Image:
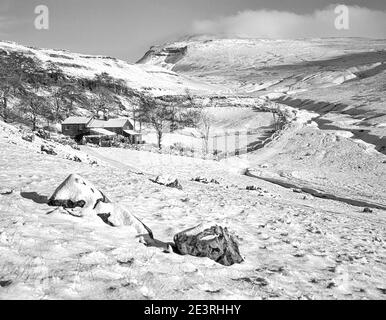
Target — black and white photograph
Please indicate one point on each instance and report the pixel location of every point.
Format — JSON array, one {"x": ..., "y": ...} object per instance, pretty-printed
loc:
[{"x": 188, "y": 150}]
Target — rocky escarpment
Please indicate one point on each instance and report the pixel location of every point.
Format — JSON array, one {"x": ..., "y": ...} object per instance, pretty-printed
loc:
[{"x": 165, "y": 57}]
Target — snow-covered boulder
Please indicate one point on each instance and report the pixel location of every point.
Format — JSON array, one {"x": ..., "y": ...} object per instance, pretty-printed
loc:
[
  {"x": 215, "y": 243},
  {"x": 76, "y": 192},
  {"x": 115, "y": 215}
]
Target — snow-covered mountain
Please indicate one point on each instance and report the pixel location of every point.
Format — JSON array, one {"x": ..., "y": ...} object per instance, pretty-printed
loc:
[
  {"x": 259, "y": 65},
  {"x": 341, "y": 79}
]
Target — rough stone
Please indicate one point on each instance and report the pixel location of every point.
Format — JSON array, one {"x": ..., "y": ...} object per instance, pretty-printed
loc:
[{"x": 215, "y": 243}]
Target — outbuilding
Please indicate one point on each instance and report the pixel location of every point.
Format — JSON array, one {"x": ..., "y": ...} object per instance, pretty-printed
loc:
[{"x": 75, "y": 126}]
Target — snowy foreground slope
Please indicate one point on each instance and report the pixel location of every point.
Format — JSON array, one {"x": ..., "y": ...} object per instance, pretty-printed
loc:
[{"x": 295, "y": 246}]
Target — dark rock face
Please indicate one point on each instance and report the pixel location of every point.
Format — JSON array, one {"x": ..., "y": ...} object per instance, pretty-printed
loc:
[
  {"x": 215, "y": 243},
  {"x": 66, "y": 203},
  {"x": 170, "y": 55}
]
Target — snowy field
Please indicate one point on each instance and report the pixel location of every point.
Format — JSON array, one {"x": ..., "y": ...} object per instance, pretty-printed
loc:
[
  {"x": 232, "y": 128},
  {"x": 295, "y": 245}
]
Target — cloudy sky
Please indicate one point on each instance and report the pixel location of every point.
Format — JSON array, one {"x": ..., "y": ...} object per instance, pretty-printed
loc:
[{"x": 127, "y": 28}]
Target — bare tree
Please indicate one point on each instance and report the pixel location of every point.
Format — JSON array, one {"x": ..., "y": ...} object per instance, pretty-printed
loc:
[
  {"x": 157, "y": 113},
  {"x": 205, "y": 122},
  {"x": 64, "y": 97},
  {"x": 160, "y": 113},
  {"x": 102, "y": 101},
  {"x": 201, "y": 117}
]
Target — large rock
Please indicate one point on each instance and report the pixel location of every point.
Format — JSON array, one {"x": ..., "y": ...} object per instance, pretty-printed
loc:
[
  {"x": 76, "y": 191},
  {"x": 215, "y": 243}
]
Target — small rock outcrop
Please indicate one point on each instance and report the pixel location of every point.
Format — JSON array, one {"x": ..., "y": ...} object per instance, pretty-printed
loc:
[
  {"x": 6, "y": 191},
  {"x": 205, "y": 180},
  {"x": 43, "y": 134},
  {"x": 28, "y": 137},
  {"x": 215, "y": 243},
  {"x": 73, "y": 158},
  {"x": 168, "y": 181},
  {"x": 47, "y": 150},
  {"x": 253, "y": 188}
]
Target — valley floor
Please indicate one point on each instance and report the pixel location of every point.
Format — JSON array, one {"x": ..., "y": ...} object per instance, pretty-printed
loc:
[{"x": 296, "y": 246}]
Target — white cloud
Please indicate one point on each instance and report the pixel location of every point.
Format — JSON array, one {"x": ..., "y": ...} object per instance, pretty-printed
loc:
[{"x": 363, "y": 22}]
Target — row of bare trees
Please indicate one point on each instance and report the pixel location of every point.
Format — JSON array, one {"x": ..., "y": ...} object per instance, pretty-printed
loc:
[
  {"x": 46, "y": 93},
  {"x": 167, "y": 114},
  {"x": 22, "y": 78}
]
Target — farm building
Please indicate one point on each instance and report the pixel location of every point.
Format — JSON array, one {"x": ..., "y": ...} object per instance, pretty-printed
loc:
[
  {"x": 76, "y": 126},
  {"x": 118, "y": 125}
]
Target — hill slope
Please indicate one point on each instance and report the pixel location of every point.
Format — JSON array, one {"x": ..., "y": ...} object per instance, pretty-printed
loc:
[{"x": 153, "y": 79}]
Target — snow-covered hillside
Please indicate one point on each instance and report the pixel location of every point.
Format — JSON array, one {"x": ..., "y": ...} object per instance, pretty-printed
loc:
[{"x": 153, "y": 79}]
